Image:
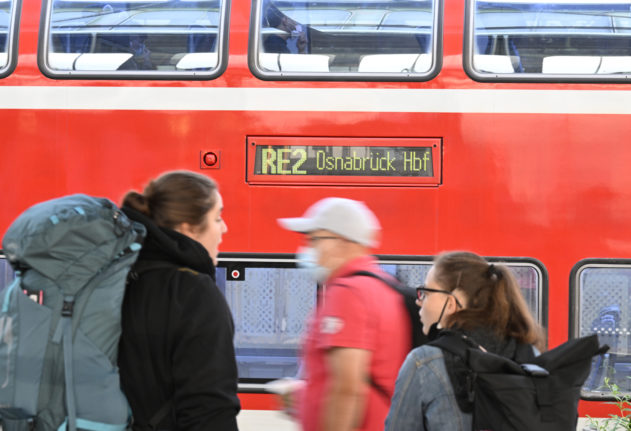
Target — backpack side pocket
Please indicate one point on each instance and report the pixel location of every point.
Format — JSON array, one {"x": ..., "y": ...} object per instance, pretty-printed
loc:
[
  {"x": 13, "y": 419},
  {"x": 23, "y": 340}
]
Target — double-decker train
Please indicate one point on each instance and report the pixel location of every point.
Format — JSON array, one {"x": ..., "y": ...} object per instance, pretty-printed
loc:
[{"x": 494, "y": 126}]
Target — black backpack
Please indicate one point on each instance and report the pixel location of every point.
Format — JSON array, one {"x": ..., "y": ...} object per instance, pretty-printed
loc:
[
  {"x": 408, "y": 296},
  {"x": 509, "y": 395}
]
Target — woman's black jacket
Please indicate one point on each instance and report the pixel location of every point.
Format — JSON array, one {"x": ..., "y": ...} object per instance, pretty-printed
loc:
[{"x": 176, "y": 351}]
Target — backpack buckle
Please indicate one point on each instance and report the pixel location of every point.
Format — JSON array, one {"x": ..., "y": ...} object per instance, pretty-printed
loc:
[
  {"x": 67, "y": 308},
  {"x": 535, "y": 370}
]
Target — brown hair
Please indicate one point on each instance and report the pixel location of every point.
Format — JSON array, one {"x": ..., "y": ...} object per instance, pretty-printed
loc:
[
  {"x": 494, "y": 299},
  {"x": 175, "y": 197}
]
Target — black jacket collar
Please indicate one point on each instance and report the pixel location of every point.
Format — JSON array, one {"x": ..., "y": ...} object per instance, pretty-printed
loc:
[{"x": 163, "y": 244}]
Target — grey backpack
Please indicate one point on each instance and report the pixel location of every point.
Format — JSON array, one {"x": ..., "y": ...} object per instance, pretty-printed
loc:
[{"x": 60, "y": 320}]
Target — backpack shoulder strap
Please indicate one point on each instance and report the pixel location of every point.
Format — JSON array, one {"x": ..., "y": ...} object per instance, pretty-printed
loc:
[
  {"x": 155, "y": 420},
  {"x": 143, "y": 266},
  {"x": 394, "y": 284},
  {"x": 390, "y": 281},
  {"x": 409, "y": 301},
  {"x": 457, "y": 344}
]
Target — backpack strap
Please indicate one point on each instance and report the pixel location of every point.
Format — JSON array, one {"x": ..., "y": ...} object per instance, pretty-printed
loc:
[
  {"x": 139, "y": 268},
  {"x": 454, "y": 343},
  {"x": 391, "y": 282},
  {"x": 394, "y": 284},
  {"x": 409, "y": 301},
  {"x": 142, "y": 266},
  {"x": 160, "y": 415},
  {"x": 462, "y": 379}
]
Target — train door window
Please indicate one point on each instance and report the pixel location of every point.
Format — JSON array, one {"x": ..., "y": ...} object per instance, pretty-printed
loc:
[
  {"x": 161, "y": 39},
  {"x": 345, "y": 40},
  {"x": 601, "y": 304},
  {"x": 9, "y": 13},
  {"x": 271, "y": 300},
  {"x": 558, "y": 41}
]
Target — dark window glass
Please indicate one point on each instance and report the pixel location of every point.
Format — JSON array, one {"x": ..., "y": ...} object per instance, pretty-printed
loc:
[
  {"x": 155, "y": 38},
  {"x": 602, "y": 299},
  {"x": 8, "y": 26},
  {"x": 556, "y": 39},
  {"x": 345, "y": 38}
]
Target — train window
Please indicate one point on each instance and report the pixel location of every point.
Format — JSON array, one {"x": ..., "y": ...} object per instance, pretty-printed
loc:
[
  {"x": 161, "y": 39},
  {"x": 8, "y": 36},
  {"x": 271, "y": 301},
  {"x": 345, "y": 40},
  {"x": 601, "y": 303},
  {"x": 562, "y": 40}
]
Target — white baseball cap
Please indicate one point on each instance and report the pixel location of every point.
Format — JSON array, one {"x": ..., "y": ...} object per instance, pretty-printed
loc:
[{"x": 350, "y": 219}]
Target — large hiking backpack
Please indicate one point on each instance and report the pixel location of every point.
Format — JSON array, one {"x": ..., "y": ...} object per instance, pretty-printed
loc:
[
  {"x": 541, "y": 394},
  {"x": 60, "y": 320},
  {"x": 408, "y": 296}
]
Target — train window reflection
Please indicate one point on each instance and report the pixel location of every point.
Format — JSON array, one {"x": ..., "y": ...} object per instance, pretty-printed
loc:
[
  {"x": 157, "y": 39},
  {"x": 573, "y": 40},
  {"x": 602, "y": 305},
  {"x": 8, "y": 27},
  {"x": 348, "y": 39},
  {"x": 271, "y": 301}
]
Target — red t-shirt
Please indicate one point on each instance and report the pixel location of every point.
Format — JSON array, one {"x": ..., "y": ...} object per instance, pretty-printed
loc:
[{"x": 356, "y": 312}]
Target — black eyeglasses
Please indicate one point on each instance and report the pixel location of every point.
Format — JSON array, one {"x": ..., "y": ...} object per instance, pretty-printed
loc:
[{"x": 421, "y": 294}]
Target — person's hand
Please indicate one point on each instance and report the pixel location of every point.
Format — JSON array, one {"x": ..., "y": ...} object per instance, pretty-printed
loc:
[
  {"x": 301, "y": 43},
  {"x": 288, "y": 403},
  {"x": 287, "y": 391}
]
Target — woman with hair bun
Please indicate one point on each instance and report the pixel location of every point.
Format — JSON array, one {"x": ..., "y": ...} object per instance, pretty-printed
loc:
[
  {"x": 176, "y": 356},
  {"x": 465, "y": 294}
]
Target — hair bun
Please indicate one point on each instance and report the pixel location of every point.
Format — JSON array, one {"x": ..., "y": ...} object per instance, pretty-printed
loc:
[
  {"x": 494, "y": 273},
  {"x": 138, "y": 202}
]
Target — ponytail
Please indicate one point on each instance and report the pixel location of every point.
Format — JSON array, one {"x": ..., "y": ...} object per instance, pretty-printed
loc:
[
  {"x": 138, "y": 202},
  {"x": 494, "y": 299}
]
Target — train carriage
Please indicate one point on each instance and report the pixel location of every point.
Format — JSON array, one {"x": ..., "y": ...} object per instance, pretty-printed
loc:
[{"x": 494, "y": 126}]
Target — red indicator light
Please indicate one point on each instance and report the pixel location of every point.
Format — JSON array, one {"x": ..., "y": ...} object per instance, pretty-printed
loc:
[
  {"x": 210, "y": 159},
  {"x": 235, "y": 274}
]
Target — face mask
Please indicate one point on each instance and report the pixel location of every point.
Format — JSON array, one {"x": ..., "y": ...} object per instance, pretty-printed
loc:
[
  {"x": 308, "y": 259},
  {"x": 434, "y": 330}
]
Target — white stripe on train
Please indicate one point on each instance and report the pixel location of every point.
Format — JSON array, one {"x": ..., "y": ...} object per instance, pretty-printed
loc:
[
  {"x": 270, "y": 420},
  {"x": 317, "y": 99}
]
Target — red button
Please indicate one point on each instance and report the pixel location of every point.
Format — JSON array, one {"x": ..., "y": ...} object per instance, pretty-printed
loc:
[{"x": 210, "y": 159}]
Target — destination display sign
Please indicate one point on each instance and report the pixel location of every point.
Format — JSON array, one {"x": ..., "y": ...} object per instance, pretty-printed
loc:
[
  {"x": 334, "y": 160},
  {"x": 344, "y": 161}
]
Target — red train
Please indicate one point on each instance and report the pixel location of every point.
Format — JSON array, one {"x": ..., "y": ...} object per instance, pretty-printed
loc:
[{"x": 493, "y": 126}]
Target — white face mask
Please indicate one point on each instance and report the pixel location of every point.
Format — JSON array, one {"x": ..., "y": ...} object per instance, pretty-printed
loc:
[{"x": 308, "y": 259}]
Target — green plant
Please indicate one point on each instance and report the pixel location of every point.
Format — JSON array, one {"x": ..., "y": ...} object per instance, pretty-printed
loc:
[{"x": 615, "y": 422}]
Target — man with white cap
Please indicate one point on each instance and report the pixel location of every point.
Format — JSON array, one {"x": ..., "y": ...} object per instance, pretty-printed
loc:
[{"x": 359, "y": 334}]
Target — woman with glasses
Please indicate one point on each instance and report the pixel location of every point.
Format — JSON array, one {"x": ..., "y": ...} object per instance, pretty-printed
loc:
[{"x": 465, "y": 294}]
